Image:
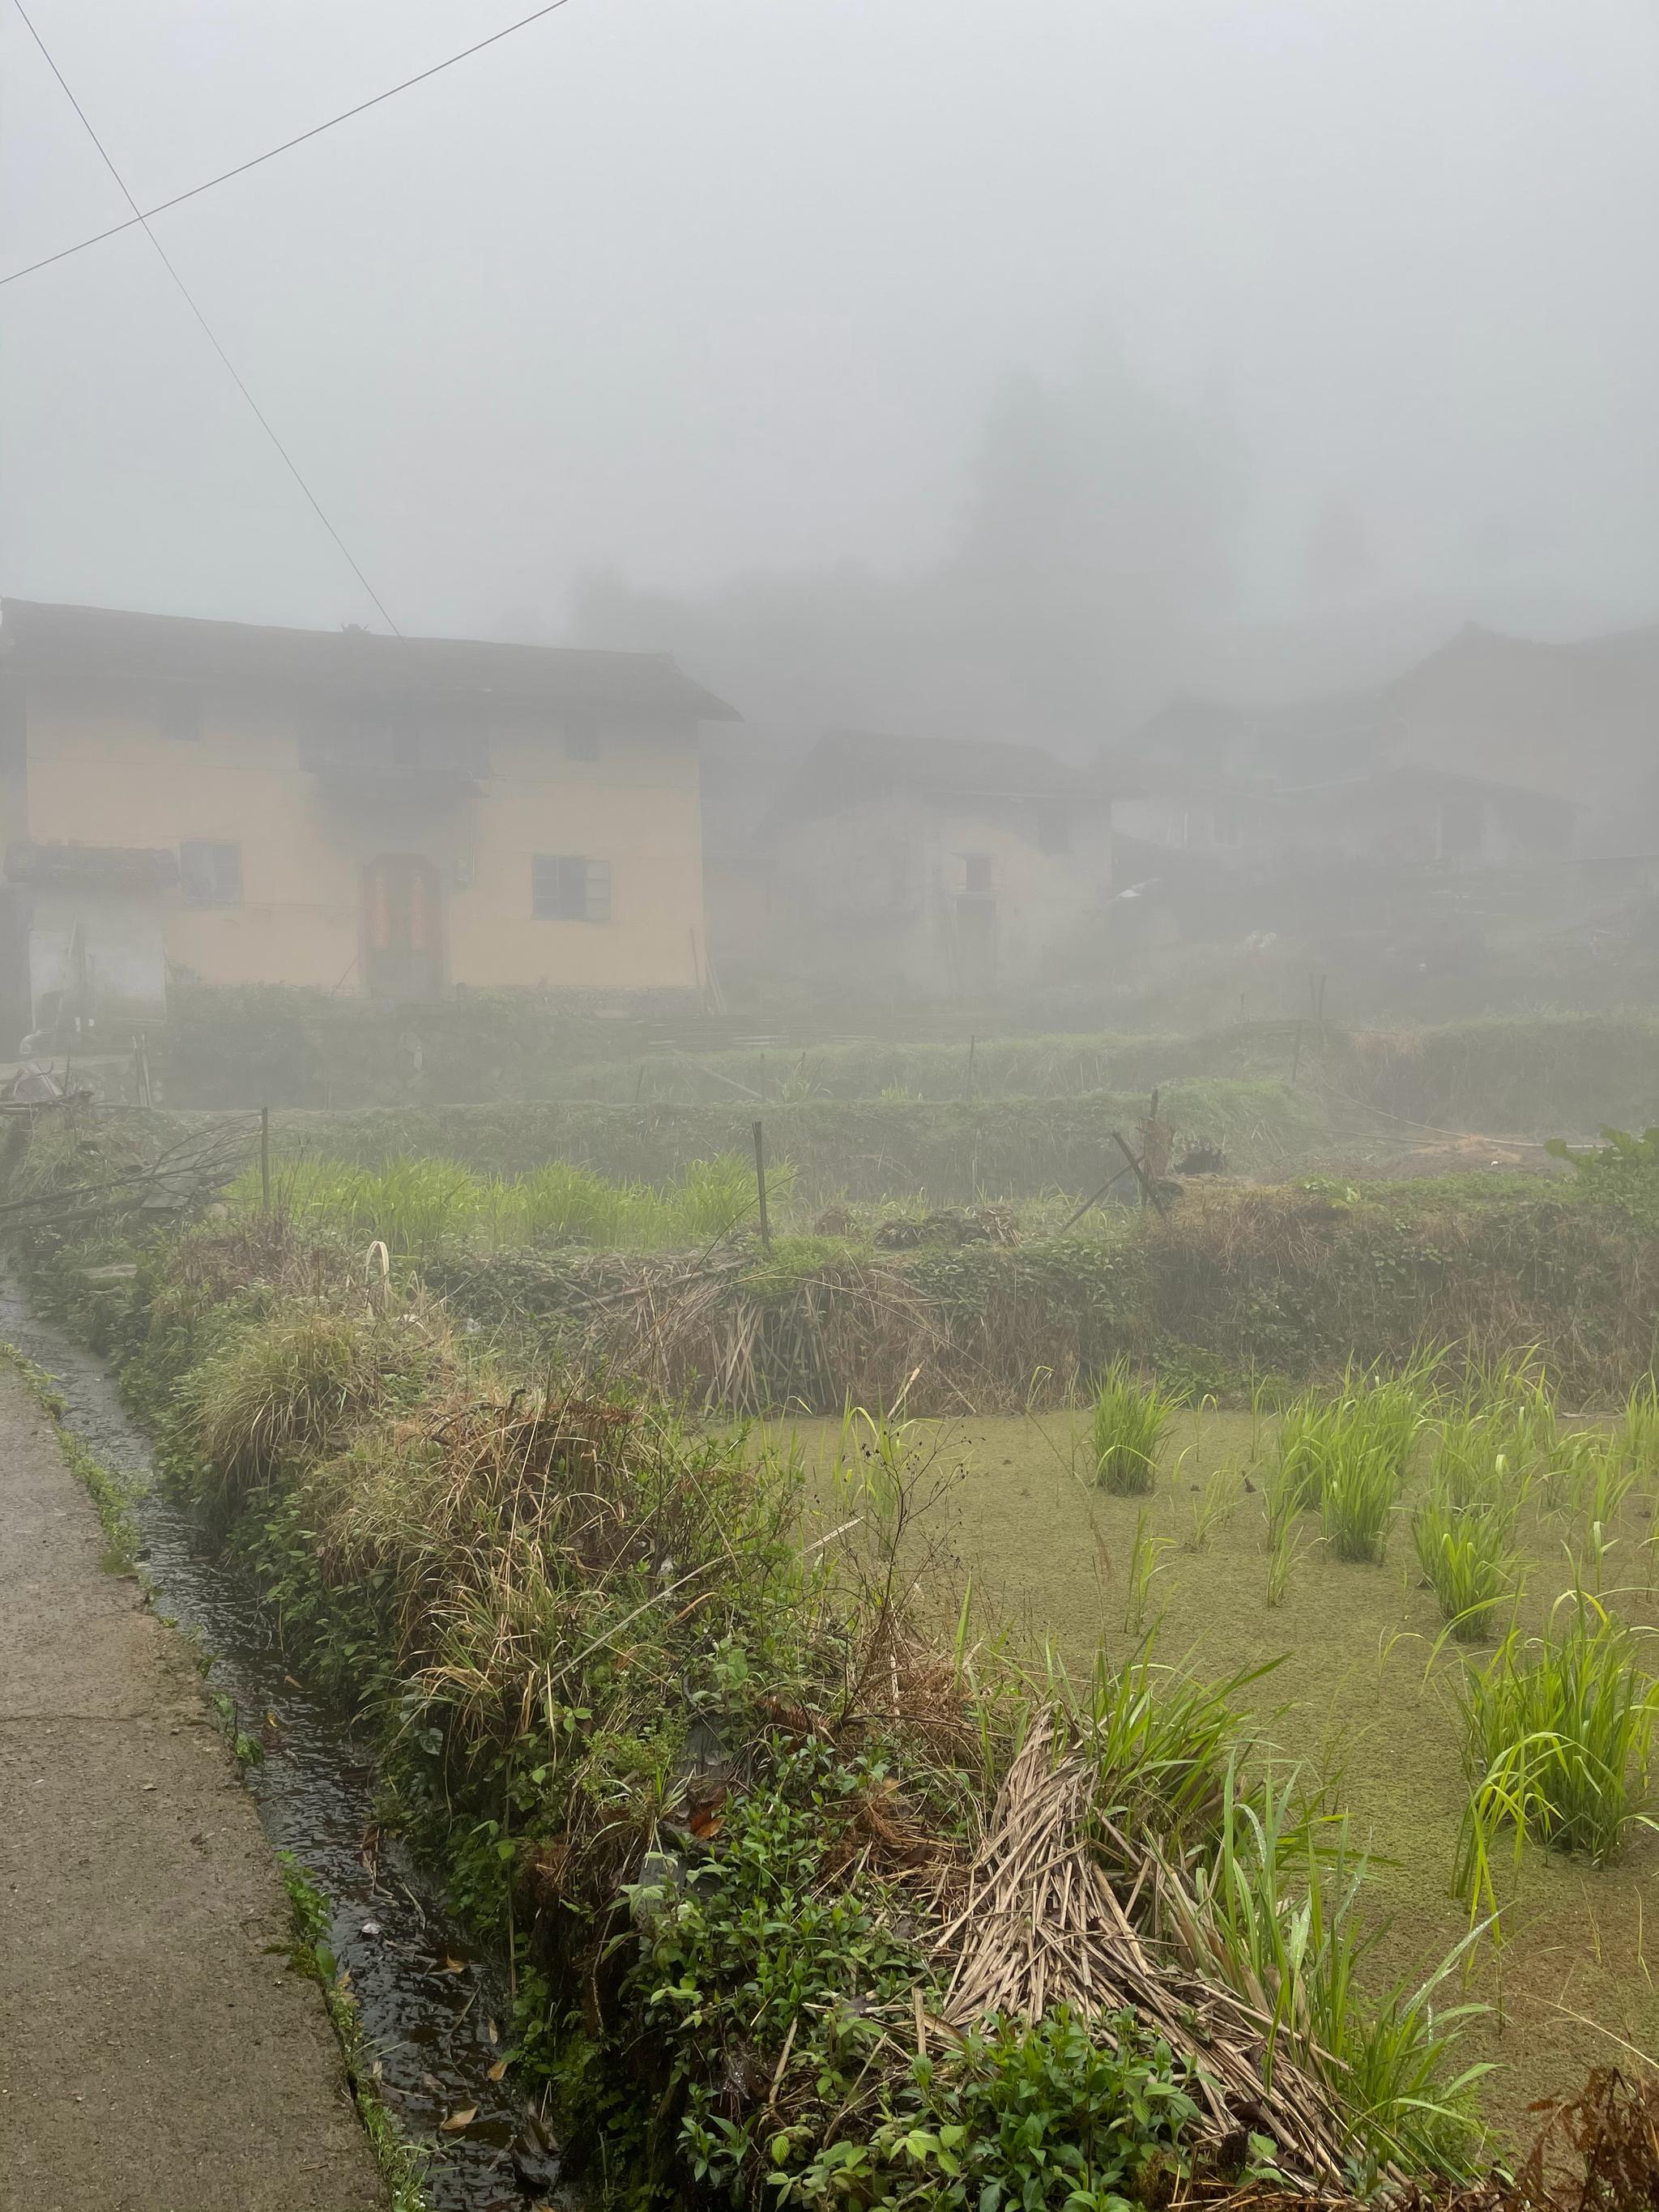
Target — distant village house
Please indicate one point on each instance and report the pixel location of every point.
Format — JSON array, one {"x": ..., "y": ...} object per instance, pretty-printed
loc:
[
  {"x": 357, "y": 813},
  {"x": 934, "y": 867}
]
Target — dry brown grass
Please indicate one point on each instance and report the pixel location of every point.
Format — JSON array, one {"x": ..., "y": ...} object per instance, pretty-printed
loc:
[{"x": 1042, "y": 1925}]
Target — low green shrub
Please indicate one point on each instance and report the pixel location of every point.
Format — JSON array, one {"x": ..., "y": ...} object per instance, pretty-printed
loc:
[
  {"x": 1066, "y": 2116},
  {"x": 1623, "y": 1173}
]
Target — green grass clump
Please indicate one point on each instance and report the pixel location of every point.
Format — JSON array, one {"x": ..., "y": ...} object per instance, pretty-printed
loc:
[
  {"x": 1477, "y": 1466},
  {"x": 1514, "y": 1396},
  {"x": 1466, "y": 1560},
  {"x": 1284, "y": 1898},
  {"x": 1357, "y": 1505},
  {"x": 416, "y": 1206},
  {"x": 1164, "y": 1743},
  {"x": 287, "y": 1391},
  {"x": 1129, "y": 1423},
  {"x": 1557, "y": 1732},
  {"x": 1637, "y": 1439},
  {"x": 1349, "y": 1455}
]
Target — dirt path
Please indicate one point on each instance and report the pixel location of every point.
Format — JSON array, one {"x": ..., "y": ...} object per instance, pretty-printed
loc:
[{"x": 157, "y": 2052}]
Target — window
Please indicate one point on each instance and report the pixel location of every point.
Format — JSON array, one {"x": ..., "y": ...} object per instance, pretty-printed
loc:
[
  {"x": 210, "y": 875},
  {"x": 977, "y": 875},
  {"x": 563, "y": 888},
  {"x": 179, "y": 714},
  {"x": 377, "y": 736},
  {"x": 1053, "y": 826},
  {"x": 581, "y": 738}
]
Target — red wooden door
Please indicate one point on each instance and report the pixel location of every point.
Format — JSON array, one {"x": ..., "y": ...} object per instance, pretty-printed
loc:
[{"x": 403, "y": 927}]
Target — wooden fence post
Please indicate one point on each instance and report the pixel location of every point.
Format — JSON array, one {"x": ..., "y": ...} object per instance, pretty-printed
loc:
[{"x": 760, "y": 1186}]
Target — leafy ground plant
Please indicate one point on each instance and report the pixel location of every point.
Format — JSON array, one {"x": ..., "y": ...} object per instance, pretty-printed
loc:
[
  {"x": 1130, "y": 1419},
  {"x": 1066, "y": 2114}
]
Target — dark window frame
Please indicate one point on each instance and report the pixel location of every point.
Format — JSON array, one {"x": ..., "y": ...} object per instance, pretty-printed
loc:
[
  {"x": 569, "y": 887},
  {"x": 210, "y": 872}
]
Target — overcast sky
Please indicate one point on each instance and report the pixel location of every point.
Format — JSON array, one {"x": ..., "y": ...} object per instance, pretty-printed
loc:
[{"x": 688, "y": 288}]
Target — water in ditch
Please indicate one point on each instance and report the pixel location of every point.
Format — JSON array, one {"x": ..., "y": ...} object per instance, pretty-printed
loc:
[{"x": 434, "y": 2016}]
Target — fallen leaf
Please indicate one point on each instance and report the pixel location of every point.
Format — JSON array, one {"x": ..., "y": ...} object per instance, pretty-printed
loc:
[
  {"x": 498, "y": 2069},
  {"x": 271, "y": 1720},
  {"x": 292, "y": 1684},
  {"x": 369, "y": 1928},
  {"x": 454, "y": 2122},
  {"x": 492, "y": 2031},
  {"x": 454, "y": 1966}
]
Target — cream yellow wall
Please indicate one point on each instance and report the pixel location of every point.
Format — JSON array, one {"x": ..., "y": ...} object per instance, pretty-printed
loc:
[
  {"x": 637, "y": 807},
  {"x": 99, "y": 773}
]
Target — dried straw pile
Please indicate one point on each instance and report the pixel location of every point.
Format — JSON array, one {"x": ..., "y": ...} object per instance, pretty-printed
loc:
[{"x": 1042, "y": 1925}]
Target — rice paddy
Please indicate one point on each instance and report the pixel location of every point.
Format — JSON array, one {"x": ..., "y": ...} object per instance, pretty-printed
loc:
[{"x": 1371, "y": 1657}]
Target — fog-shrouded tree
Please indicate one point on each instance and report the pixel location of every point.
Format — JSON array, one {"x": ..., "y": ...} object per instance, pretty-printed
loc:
[{"x": 1097, "y": 539}]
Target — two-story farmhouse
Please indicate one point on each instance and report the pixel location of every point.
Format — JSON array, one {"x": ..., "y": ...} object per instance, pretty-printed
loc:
[
  {"x": 935, "y": 867},
  {"x": 386, "y": 815}
]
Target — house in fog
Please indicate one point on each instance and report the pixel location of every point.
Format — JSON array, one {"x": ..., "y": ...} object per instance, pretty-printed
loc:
[
  {"x": 387, "y": 817},
  {"x": 1375, "y": 780},
  {"x": 933, "y": 866}
]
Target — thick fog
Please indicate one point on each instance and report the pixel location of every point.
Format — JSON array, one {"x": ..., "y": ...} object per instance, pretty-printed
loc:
[{"x": 805, "y": 330}]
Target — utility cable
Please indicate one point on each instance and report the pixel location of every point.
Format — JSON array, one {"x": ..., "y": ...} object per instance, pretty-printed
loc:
[
  {"x": 286, "y": 146},
  {"x": 260, "y": 415}
]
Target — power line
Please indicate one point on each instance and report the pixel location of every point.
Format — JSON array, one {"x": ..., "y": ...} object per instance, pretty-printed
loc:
[
  {"x": 260, "y": 415},
  {"x": 242, "y": 168}
]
